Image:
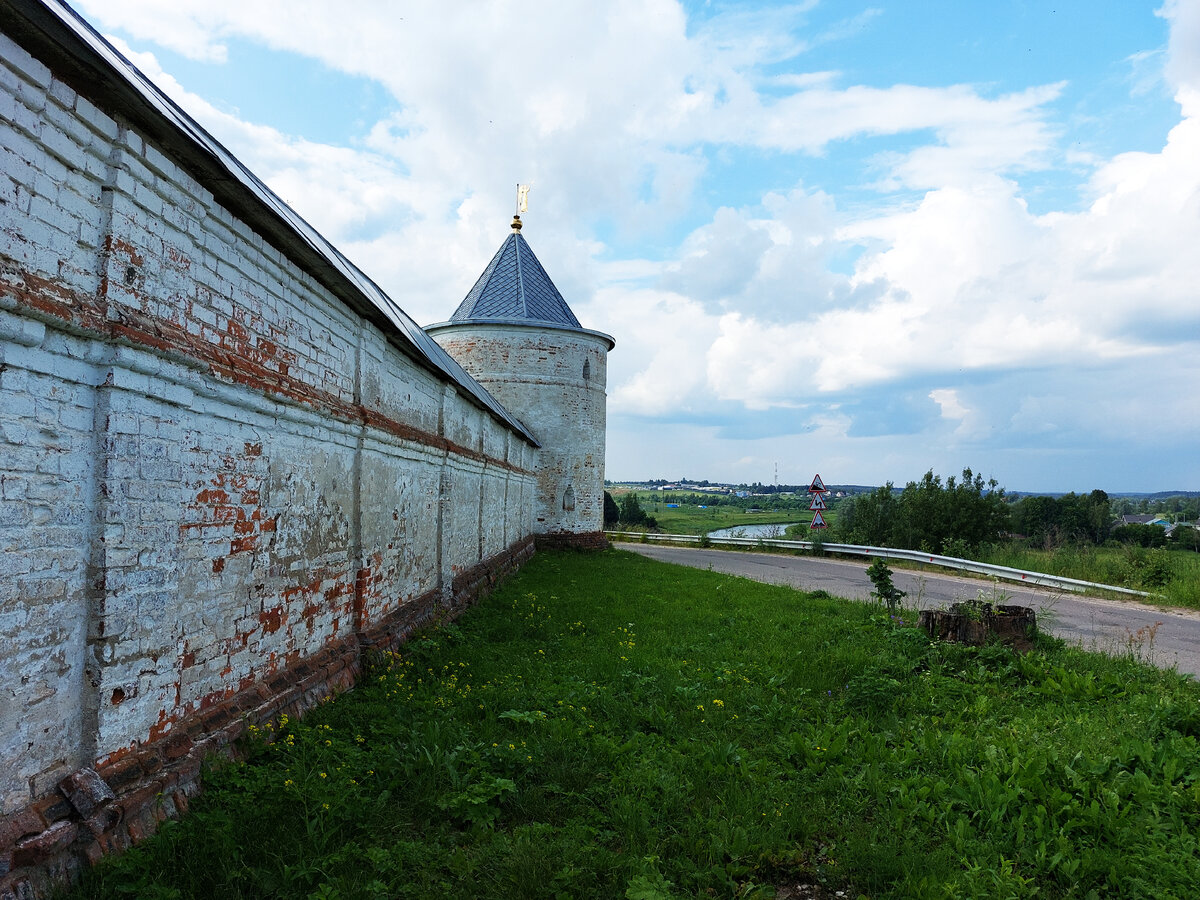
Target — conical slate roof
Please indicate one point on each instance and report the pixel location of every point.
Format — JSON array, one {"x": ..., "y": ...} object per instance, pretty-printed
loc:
[{"x": 515, "y": 288}]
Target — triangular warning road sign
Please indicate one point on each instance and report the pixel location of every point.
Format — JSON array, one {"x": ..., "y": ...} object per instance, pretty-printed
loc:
[
  {"x": 818, "y": 502},
  {"x": 817, "y": 486},
  {"x": 818, "y": 521}
]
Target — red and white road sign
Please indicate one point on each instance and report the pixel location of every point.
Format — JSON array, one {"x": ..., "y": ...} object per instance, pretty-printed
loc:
[
  {"x": 817, "y": 486},
  {"x": 818, "y": 521},
  {"x": 817, "y": 502}
]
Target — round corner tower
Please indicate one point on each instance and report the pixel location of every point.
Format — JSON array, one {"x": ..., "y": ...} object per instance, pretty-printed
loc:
[{"x": 515, "y": 334}]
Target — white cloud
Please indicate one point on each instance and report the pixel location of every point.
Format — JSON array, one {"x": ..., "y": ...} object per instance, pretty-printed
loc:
[
  {"x": 659, "y": 369},
  {"x": 191, "y": 29},
  {"x": 1183, "y": 48},
  {"x": 771, "y": 263},
  {"x": 754, "y": 308},
  {"x": 947, "y": 399}
]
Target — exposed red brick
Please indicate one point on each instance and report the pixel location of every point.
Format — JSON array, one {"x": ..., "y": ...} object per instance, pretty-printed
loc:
[
  {"x": 272, "y": 619},
  {"x": 52, "y": 808},
  {"x": 177, "y": 746},
  {"x": 21, "y": 825},
  {"x": 86, "y": 791},
  {"x": 122, "y": 773},
  {"x": 103, "y": 820},
  {"x": 36, "y": 849},
  {"x": 244, "y": 366}
]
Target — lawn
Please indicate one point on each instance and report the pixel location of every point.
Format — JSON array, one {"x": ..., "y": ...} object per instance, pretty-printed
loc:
[{"x": 607, "y": 726}]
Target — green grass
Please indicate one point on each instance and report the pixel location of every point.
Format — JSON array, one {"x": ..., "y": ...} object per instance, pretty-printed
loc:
[
  {"x": 607, "y": 726},
  {"x": 1175, "y": 574}
]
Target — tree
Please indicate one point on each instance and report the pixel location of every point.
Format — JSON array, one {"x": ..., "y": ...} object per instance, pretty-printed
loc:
[
  {"x": 1038, "y": 519},
  {"x": 1050, "y": 521},
  {"x": 1185, "y": 537},
  {"x": 957, "y": 516},
  {"x": 612, "y": 515},
  {"x": 1140, "y": 535},
  {"x": 967, "y": 512},
  {"x": 631, "y": 512},
  {"x": 868, "y": 518},
  {"x": 1098, "y": 516}
]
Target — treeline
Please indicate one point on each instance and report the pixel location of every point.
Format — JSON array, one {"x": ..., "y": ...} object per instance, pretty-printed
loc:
[
  {"x": 958, "y": 516},
  {"x": 952, "y": 517},
  {"x": 1185, "y": 507},
  {"x": 1048, "y": 522},
  {"x": 1069, "y": 519},
  {"x": 628, "y": 512}
]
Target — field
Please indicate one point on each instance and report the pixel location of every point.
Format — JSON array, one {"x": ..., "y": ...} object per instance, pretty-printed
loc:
[
  {"x": 691, "y": 518},
  {"x": 606, "y": 726}
]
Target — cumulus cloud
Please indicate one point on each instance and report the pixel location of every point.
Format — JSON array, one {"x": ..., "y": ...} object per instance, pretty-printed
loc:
[
  {"x": 771, "y": 262},
  {"x": 933, "y": 303},
  {"x": 667, "y": 334},
  {"x": 1183, "y": 48},
  {"x": 972, "y": 280},
  {"x": 191, "y": 29}
]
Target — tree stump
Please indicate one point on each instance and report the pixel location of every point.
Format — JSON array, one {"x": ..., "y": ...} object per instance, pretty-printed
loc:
[{"x": 977, "y": 623}]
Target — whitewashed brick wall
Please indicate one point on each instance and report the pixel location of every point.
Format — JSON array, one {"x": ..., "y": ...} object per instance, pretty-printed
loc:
[
  {"x": 210, "y": 466},
  {"x": 538, "y": 374}
]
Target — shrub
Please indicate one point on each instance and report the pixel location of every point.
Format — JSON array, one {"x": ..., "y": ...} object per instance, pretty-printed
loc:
[{"x": 1140, "y": 535}]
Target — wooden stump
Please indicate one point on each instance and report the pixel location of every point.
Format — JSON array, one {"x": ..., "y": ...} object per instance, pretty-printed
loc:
[{"x": 976, "y": 623}]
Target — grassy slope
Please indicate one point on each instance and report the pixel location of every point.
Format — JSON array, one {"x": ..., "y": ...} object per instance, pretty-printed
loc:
[{"x": 608, "y": 726}]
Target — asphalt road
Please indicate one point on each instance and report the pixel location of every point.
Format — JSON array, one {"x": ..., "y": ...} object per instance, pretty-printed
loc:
[{"x": 1165, "y": 637}]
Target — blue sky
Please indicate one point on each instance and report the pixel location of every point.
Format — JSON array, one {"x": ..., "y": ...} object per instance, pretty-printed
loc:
[{"x": 864, "y": 239}]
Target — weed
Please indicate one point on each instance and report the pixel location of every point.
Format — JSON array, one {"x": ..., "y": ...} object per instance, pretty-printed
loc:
[
  {"x": 885, "y": 591},
  {"x": 1139, "y": 643}
]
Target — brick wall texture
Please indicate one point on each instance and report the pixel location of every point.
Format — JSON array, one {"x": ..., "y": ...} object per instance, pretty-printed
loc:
[
  {"x": 553, "y": 380},
  {"x": 218, "y": 482}
]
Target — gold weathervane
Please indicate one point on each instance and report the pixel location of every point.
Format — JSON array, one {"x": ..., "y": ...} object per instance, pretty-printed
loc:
[{"x": 522, "y": 205}]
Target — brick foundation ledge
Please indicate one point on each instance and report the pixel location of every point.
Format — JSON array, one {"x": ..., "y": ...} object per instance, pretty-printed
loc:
[
  {"x": 588, "y": 540},
  {"x": 98, "y": 811}
]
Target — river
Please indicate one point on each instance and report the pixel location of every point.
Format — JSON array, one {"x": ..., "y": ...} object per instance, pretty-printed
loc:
[{"x": 752, "y": 531}]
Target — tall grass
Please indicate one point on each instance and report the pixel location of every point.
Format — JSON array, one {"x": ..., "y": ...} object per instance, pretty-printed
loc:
[
  {"x": 1175, "y": 574},
  {"x": 607, "y": 726}
]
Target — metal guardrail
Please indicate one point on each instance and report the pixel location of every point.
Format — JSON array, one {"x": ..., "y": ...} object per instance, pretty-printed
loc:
[{"x": 1039, "y": 579}]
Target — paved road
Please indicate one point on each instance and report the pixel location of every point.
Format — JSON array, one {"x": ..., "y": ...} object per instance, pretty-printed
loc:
[{"x": 1167, "y": 637}]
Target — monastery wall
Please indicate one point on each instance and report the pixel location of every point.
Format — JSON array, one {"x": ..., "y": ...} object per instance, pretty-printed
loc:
[{"x": 223, "y": 473}]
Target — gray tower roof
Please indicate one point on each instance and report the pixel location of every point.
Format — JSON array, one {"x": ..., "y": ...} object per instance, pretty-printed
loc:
[{"x": 515, "y": 288}]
